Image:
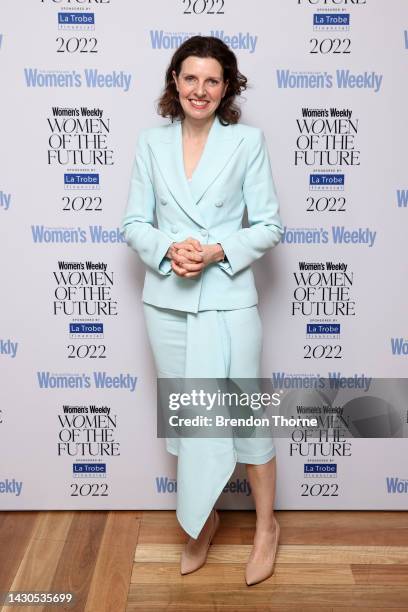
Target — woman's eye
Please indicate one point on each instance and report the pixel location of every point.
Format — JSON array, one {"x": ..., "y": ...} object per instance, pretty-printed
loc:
[{"x": 191, "y": 78}]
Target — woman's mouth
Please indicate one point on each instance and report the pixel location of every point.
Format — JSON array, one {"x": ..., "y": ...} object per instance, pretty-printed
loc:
[{"x": 200, "y": 104}]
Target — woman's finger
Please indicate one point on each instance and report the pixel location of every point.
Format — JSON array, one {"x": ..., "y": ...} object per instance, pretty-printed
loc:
[
  {"x": 187, "y": 264},
  {"x": 191, "y": 255},
  {"x": 177, "y": 269},
  {"x": 189, "y": 243},
  {"x": 180, "y": 258},
  {"x": 195, "y": 242},
  {"x": 188, "y": 246},
  {"x": 192, "y": 267},
  {"x": 183, "y": 257}
]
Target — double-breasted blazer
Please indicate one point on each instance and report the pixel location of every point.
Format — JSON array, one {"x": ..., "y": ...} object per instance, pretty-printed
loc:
[{"x": 163, "y": 207}]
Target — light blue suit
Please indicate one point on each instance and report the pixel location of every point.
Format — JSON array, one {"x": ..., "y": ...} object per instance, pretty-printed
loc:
[
  {"x": 233, "y": 172},
  {"x": 195, "y": 325}
]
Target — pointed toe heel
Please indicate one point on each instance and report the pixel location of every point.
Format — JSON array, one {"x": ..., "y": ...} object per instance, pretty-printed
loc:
[
  {"x": 190, "y": 562},
  {"x": 257, "y": 572}
]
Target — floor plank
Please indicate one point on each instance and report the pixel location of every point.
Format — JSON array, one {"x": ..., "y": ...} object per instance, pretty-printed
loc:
[
  {"x": 15, "y": 534},
  {"x": 266, "y": 593},
  {"x": 222, "y": 553},
  {"x": 233, "y": 574},
  {"x": 110, "y": 584},
  {"x": 78, "y": 559}
]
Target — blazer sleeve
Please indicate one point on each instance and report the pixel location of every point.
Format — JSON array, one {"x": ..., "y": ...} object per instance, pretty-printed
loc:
[
  {"x": 265, "y": 227},
  {"x": 137, "y": 226}
]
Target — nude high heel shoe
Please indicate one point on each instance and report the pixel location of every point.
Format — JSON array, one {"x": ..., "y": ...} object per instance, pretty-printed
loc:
[
  {"x": 191, "y": 561},
  {"x": 256, "y": 572}
]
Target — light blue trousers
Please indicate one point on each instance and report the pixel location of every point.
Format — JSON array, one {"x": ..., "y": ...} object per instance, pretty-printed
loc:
[{"x": 207, "y": 344}]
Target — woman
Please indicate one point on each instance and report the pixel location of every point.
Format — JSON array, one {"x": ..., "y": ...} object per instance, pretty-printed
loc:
[{"x": 196, "y": 175}]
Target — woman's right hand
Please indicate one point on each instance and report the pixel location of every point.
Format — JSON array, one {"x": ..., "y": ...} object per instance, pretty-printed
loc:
[{"x": 187, "y": 258}]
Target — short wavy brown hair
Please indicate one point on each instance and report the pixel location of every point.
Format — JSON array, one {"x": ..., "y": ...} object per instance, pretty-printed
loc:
[{"x": 204, "y": 46}]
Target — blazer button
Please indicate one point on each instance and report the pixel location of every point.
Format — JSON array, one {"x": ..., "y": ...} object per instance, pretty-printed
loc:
[
  {"x": 204, "y": 232},
  {"x": 219, "y": 204},
  {"x": 163, "y": 201},
  {"x": 174, "y": 229}
]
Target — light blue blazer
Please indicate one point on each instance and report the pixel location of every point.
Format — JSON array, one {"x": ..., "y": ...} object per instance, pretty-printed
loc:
[{"x": 163, "y": 207}]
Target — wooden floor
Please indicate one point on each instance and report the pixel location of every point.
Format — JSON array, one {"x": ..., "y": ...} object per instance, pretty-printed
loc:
[{"x": 125, "y": 561}]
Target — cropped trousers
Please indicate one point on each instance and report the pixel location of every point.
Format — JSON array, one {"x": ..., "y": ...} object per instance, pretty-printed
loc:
[{"x": 207, "y": 344}]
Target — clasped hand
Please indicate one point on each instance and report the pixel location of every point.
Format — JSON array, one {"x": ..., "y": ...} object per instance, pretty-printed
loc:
[{"x": 190, "y": 257}]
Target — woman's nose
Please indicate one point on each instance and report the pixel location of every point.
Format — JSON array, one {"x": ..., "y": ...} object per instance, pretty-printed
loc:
[{"x": 200, "y": 90}]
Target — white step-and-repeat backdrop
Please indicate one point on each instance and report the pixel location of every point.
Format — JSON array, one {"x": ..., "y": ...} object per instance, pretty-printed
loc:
[{"x": 78, "y": 80}]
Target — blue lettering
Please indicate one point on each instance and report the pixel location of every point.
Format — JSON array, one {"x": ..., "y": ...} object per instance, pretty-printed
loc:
[
  {"x": 98, "y": 234},
  {"x": 166, "y": 485},
  {"x": 395, "y": 485},
  {"x": 399, "y": 346},
  {"x": 402, "y": 197}
]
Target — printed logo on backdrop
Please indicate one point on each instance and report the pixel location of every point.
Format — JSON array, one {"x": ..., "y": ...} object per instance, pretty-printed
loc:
[
  {"x": 165, "y": 485},
  {"x": 79, "y": 137},
  {"x": 335, "y": 380},
  {"x": 78, "y": 3},
  {"x": 76, "y": 21},
  {"x": 396, "y": 485},
  {"x": 326, "y": 138},
  {"x": 97, "y": 380},
  {"x": 318, "y": 470},
  {"x": 200, "y": 7},
  {"x": 83, "y": 292},
  {"x": 340, "y": 79},
  {"x": 92, "y": 78},
  {"x": 326, "y": 147},
  {"x": 89, "y": 470},
  {"x": 402, "y": 198},
  {"x": 331, "y": 3},
  {"x": 330, "y": 17},
  {"x": 326, "y": 444},
  {"x": 237, "y": 41},
  {"x": 93, "y": 234},
  {"x": 75, "y": 16},
  {"x": 316, "y": 473},
  {"x": 321, "y": 181},
  {"x": 83, "y": 181},
  {"x": 10, "y": 486},
  {"x": 326, "y": 23},
  {"x": 332, "y": 22},
  {"x": 79, "y": 140},
  {"x": 88, "y": 433},
  {"x": 337, "y": 234},
  {"x": 238, "y": 486},
  {"x": 5, "y": 200},
  {"x": 399, "y": 346},
  {"x": 8, "y": 348},
  {"x": 322, "y": 296}
]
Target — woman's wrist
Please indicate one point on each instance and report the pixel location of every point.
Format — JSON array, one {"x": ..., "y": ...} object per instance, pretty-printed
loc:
[
  {"x": 219, "y": 254},
  {"x": 169, "y": 251}
]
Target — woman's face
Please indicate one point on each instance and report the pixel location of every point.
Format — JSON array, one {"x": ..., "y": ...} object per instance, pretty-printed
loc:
[{"x": 200, "y": 85}]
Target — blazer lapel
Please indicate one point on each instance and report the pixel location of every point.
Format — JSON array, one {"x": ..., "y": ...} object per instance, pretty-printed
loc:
[
  {"x": 168, "y": 152},
  {"x": 221, "y": 143}
]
